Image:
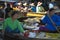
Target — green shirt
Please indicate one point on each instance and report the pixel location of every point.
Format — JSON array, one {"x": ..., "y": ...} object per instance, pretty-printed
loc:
[
  {"x": 13, "y": 24},
  {"x": 41, "y": 9}
]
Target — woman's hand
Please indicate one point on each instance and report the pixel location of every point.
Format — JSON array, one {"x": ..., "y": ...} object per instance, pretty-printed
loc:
[{"x": 26, "y": 33}]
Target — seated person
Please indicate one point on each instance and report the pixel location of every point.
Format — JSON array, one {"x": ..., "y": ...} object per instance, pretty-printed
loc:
[
  {"x": 48, "y": 24},
  {"x": 12, "y": 25},
  {"x": 39, "y": 7},
  {"x": 32, "y": 7}
]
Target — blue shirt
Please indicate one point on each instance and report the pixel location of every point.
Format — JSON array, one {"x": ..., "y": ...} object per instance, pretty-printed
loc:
[
  {"x": 33, "y": 8},
  {"x": 49, "y": 25},
  {"x": 58, "y": 20}
]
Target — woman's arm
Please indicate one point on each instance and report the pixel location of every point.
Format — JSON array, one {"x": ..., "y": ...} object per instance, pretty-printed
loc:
[{"x": 20, "y": 27}]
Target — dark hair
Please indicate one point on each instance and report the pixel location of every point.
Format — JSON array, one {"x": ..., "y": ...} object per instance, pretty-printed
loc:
[
  {"x": 41, "y": 23},
  {"x": 1, "y": 14},
  {"x": 51, "y": 9},
  {"x": 8, "y": 5},
  {"x": 12, "y": 13}
]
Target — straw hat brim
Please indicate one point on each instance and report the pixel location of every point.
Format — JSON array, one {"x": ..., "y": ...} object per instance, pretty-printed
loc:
[{"x": 57, "y": 10}]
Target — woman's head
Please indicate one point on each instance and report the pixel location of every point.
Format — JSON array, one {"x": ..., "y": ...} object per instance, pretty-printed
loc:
[
  {"x": 51, "y": 11},
  {"x": 14, "y": 14},
  {"x": 39, "y": 3}
]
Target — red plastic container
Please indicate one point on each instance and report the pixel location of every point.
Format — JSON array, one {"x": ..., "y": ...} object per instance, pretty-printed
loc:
[{"x": 26, "y": 34}]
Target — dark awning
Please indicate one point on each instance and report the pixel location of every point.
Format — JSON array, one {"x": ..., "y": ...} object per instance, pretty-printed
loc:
[{"x": 8, "y": 0}]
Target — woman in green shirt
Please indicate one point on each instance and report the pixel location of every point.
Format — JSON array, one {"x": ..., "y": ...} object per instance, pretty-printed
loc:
[{"x": 12, "y": 25}]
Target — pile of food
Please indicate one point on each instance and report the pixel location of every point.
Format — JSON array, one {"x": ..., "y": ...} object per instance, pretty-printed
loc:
[{"x": 31, "y": 23}]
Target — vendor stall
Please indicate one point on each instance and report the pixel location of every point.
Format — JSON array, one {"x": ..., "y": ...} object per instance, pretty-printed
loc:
[{"x": 31, "y": 25}]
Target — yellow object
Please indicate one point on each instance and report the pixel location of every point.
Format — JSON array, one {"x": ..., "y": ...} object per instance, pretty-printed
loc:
[
  {"x": 0, "y": 7},
  {"x": 16, "y": 9},
  {"x": 36, "y": 14}
]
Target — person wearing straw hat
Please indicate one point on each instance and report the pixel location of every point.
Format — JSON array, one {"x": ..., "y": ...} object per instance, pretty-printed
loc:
[
  {"x": 49, "y": 25},
  {"x": 25, "y": 8},
  {"x": 39, "y": 7},
  {"x": 33, "y": 7}
]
